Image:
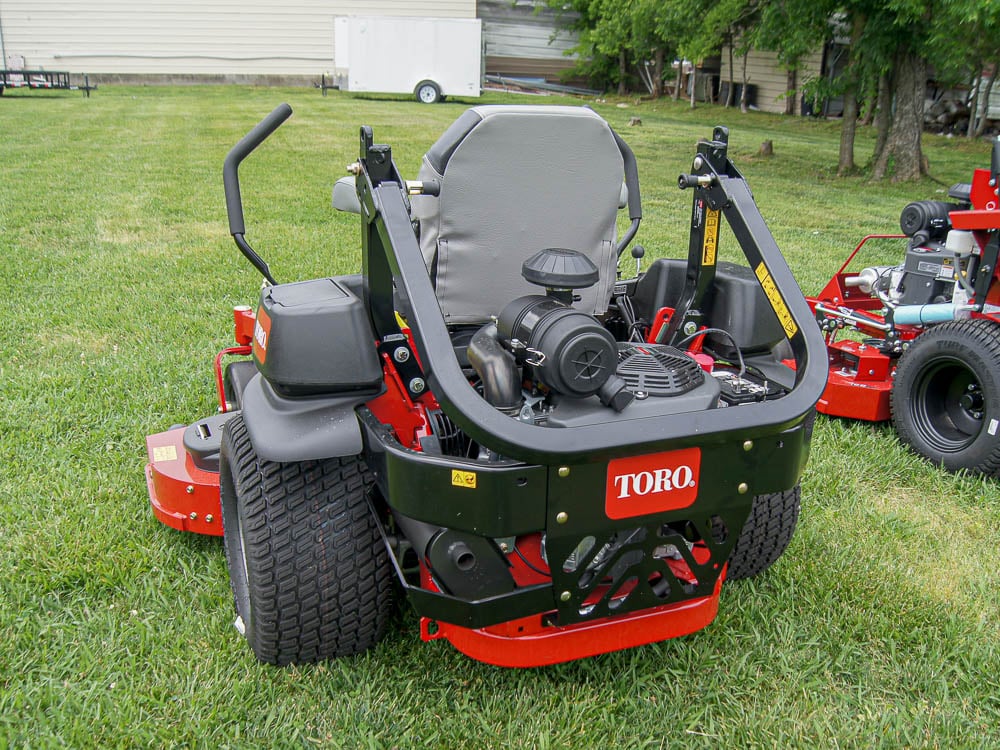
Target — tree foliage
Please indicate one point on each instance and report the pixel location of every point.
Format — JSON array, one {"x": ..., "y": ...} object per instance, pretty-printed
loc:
[{"x": 893, "y": 47}]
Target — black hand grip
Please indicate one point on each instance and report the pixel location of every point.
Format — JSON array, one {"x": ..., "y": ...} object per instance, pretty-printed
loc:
[
  {"x": 686, "y": 181},
  {"x": 230, "y": 174}
]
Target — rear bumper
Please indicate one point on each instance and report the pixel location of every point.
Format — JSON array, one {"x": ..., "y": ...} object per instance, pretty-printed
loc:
[{"x": 633, "y": 596}]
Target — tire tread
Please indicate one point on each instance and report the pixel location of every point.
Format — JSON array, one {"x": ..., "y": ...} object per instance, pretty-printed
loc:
[
  {"x": 766, "y": 534},
  {"x": 318, "y": 575}
]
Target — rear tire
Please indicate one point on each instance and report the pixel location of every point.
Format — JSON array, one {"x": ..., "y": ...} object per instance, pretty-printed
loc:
[
  {"x": 945, "y": 400},
  {"x": 310, "y": 575},
  {"x": 765, "y": 535}
]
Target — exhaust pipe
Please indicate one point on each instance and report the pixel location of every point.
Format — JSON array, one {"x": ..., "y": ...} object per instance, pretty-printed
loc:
[{"x": 496, "y": 369}]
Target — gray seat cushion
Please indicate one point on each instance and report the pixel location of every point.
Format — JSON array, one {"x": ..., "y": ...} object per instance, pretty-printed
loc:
[{"x": 515, "y": 180}]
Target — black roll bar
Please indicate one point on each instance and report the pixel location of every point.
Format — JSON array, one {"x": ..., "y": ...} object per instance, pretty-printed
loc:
[{"x": 392, "y": 256}]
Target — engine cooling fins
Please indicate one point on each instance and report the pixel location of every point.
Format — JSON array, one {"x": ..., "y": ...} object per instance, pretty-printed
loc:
[{"x": 658, "y": 369}]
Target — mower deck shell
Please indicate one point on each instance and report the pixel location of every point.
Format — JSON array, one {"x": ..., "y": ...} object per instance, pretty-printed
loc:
[
  {"x": 181, "y": 495},
  {"x": 858, "y": 384}
]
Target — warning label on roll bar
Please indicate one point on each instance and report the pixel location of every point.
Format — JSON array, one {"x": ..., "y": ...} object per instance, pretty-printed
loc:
[
  {"x": 711, "y": 244},
  {"x": 776, "y": 300}
]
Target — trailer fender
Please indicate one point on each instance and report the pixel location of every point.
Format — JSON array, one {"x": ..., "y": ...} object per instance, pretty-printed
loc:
[{"x": 301, "y": 429}]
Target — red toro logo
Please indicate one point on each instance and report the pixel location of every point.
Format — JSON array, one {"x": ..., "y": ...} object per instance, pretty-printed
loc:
[
  {"x": 654, "y": 483},
  {"x": 261, "y": 333}
]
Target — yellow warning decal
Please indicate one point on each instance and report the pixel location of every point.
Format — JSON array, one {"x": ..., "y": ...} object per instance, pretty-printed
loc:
[
  {"x": 463, "y": 479},
  {"x": 165, "y": 453},
  {"x": 776, "y": 300},
  {"x": 711, "y": 243}
]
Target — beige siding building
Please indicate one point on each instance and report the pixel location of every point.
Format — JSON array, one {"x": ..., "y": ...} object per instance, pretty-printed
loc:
[
  {"x": 767, "y": 79},
  {"x": 522, "y": 38},
  {"x": 191, "y": 37}
]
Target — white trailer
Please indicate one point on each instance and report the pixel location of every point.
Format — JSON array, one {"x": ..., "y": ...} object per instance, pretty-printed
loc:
[{"x": 428, "y": 57}]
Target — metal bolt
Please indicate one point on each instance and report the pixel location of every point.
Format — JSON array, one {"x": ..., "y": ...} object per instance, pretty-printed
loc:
[
  {"x": 189, "y": 489},
  {"x": 504, "y": 547},
  {"x": 563, "y": 471},
  {"x": 742, "y": 488},
  {"x": 401, "y": 354},
  {"x": 354, "y": 168},
  {"x": 193, "y": 516},
  {"x": 417, "y": 385},
  {"x": 698, "y": 162},
  {"x": 690, "y": 327},
  {"x": 565, "y": 596},
  {"x": 209, "y": 518},
  {"x": 748, "y": 445},
  {"x": 562, "y": 517}
]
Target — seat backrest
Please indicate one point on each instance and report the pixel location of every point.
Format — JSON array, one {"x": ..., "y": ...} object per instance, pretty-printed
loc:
[{"x": 516, "y": 180}]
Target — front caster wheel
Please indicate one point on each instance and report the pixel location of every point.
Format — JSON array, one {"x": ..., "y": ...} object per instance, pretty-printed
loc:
[
  {"x": 946, "y": 396},
  {"x": 310, "y": 575}
]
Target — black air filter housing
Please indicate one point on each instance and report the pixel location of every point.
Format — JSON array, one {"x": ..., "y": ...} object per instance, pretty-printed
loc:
[
  {"x": 929, "y": 217},
  {"x": 574, "y": 354},
  {"x": 657, "y": 369}
]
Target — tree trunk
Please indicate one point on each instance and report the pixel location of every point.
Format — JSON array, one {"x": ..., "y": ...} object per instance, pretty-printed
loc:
[
  {"x": 658, "y": 72},
  {"x": 622, "y": 70},
  {"x": 974, "y": 103},
  {"x": 790, "y": 93},
  {"x": 883, "y": 114},
  {"x": 848, "y": 127},
  {"x": 677, "y": 80},
  {"x": 981, "y": 126},
  {"x": 902, "y": 155},
  {"x": 849, "y": 121},
  {"x": 743, "y": 92},
  {"x": 868, "y": 102},
  {"x": 732, "y": 80},
  {"x": 694, "y": 84}
]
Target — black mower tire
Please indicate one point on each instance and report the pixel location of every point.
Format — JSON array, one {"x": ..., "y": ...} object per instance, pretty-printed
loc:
[
  {"x": 766, "y": 533},
  {"x": 945, "y": 399},
  {"x": 310, "y": 575}
]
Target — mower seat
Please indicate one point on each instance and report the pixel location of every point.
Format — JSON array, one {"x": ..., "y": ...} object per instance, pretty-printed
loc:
[{"x": 515, "y": 180}]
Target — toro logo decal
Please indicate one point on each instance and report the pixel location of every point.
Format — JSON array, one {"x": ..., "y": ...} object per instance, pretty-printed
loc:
[
  {"x": 261, "y": 333},
  {"x": 653, "y": 483}
]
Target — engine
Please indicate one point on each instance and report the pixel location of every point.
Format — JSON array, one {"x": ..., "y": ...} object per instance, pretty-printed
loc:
[
  {"x": 936, "y": 270},
  {"x": 548, "y": 364}
]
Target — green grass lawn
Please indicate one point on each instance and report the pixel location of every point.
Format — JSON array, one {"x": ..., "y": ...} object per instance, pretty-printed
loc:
[{"x": 880, "y": 626}]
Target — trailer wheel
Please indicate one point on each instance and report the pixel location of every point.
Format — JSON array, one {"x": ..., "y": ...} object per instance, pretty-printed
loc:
[
  {"x": 765, "y": 535},
  {"x": 945, "y": 400},
  {"x": 428, "y": 92},
  {"x": 310, "y": 575}
]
